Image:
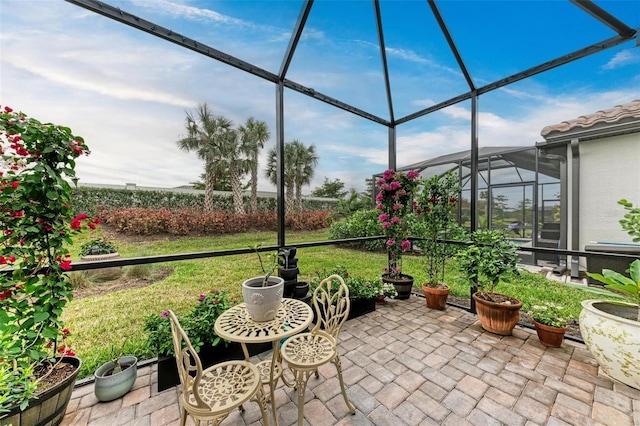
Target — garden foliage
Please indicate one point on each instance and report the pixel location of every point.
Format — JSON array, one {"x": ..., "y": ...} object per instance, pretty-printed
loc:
[
  {"x": 89, "y": 199},
  {"x": 149, "y": 221}
]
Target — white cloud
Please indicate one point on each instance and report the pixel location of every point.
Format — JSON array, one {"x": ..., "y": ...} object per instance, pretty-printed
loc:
[{"x": 622, "y": 58}]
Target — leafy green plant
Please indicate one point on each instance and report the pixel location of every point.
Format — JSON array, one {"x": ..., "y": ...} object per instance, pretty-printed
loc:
[
  {"x": 615, "y": 281},
  {"x": 198, "y": 323},
  {"x": 359, "y": 287},
  {"x": 487, "y": 258},
  {"x": 436, "y": 201},
  {"x": 631, "y": 220},
  {"x": 550, "y": 314},
  {"x": 269, "y": 265},
  {"x": 97, "y": 246}
]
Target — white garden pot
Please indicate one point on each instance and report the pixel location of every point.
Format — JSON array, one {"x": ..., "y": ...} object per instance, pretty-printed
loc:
[
  {"x": 263, "y": 302},
  {"x": 612, "y": 335}
]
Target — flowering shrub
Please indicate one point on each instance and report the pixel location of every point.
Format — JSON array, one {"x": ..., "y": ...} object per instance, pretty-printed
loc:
[
  {"x": 435, "y": 204},
  {"x": 37, "y": 163},
  {"x": 388, "y": 290},
  {"x": 198, "y": 323},
  {"x": 359, "y": 287},
  {"x": 550, "y": 314},
  {"x": 395, "y": 200},
  {"x": 148, "y": 221}
]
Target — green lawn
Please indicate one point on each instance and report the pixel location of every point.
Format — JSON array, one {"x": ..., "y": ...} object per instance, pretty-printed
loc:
[{"x": 101, "y": 323}]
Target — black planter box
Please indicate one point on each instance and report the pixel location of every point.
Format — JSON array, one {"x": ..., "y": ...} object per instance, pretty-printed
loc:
[
  {"x": 168, "y": 370},
  {"x": 360, "y": 307}
]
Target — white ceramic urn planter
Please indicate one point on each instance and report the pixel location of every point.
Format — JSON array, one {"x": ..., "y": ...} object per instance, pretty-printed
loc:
[
  {"x": 612, "y": 335},
  {"x": 263, "y": 302}
]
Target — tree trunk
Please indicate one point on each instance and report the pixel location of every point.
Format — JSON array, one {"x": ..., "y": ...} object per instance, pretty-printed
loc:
[
  {"x": 209, "y": 184},
  {"x": 289, "y": 200},
  {"x": 236, "y": 189},
  {"x": 298, "y": 197},
  {"x": 254, "y": 183}
]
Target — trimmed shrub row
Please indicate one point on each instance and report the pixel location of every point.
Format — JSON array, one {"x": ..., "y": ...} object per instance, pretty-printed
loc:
[{"x": 148, "y": 221}]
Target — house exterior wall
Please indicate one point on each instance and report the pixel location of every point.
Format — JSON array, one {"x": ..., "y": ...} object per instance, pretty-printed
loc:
[{"x": 609, "y": 171}]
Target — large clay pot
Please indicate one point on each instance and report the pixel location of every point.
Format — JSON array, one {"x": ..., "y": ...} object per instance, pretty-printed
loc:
[
  {"x": 49, "y": 407},
  {"x": 403, "y": 285},
  {"x": 436, "y": 297},
  {"x": 498, "y": 318},
  {"x": 263, "y": 302},
  {"x": 112, "y": 386},
  {"x": 612, "y": 334},
  {"x": 550, "y": 336}
]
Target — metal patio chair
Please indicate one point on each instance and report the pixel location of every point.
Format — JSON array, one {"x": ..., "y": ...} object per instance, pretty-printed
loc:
[
  {"x": 210, "y": 395},
  {"x": 305, "y": 352}
]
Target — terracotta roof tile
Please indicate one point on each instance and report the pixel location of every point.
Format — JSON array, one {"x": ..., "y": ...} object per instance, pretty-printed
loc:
[{"x": 609, "y": 116}]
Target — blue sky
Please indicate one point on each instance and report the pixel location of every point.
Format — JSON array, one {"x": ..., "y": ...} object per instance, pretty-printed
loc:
[{"x": 126, "y": 91}]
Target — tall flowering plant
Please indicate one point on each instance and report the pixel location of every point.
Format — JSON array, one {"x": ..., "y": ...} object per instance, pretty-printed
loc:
[
  {"x": 37, "y": 162},
  {"x": 435, "y": 204},
  {"x": 395, "y": 201}
]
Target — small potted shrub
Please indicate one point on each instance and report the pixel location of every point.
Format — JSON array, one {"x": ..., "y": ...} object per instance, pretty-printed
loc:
[
  {"x": 484, "y": 262},
  {"x": 116, "y": 377},
  {"x": 550, "y": 321},
  {"x": 362, "y": 291},
  {"x": 96, "y": 250},
  {"x": 436, "y": 203}
]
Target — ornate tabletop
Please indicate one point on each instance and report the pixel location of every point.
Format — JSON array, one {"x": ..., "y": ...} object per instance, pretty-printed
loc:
[{"x": 236, "y": 325}]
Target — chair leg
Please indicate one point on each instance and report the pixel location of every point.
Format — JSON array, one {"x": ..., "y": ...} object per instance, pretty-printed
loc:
[
  {"x": 183, "y": 417},
  {"x": 301, "y": 385},
  {"x": 336, "y": 361}
]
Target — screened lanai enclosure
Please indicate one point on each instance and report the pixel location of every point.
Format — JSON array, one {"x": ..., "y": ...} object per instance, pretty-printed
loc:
[{"x": 435, "y": 85}]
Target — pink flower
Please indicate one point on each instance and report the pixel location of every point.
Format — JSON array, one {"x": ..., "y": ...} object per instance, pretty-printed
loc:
[
  {"x": 380, "y": 181},
  {"x": 388, "y": 174},
  {"x": 412, "y": 174},
  {"x": 397, "y": 206},
  {"x": 406, "y": 245},
  {"x": 164, "y": 314},
  {"x": 391, "y": 243},
  {"x": 395, "y": 219},
  {"x": 379, "y": 206},
  {"x": 383, "y": 217},
  {"x": 385, "y": 225},
  {"x": 394, "y": 185},
  {"x": 379, "y": 196}
]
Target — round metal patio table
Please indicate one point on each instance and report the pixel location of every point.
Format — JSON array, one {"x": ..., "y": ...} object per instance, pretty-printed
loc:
[{"x": 236, "y": 325}]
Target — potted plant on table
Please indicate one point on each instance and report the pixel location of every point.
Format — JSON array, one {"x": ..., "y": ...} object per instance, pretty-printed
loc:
[
  {"x": 37, "y": 163},
  {"x": 436, "y": 203},
  {"x": 550, "y": 321},
  {"x": 484, "y": 262},
  {"x": 395, "y": 201},
  {"x": 263, "y": 295}
]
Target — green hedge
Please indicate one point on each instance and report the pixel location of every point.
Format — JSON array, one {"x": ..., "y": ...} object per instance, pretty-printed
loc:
[
  {"x": 88, "y": 199},
  {"x": 363, "y": 223}
]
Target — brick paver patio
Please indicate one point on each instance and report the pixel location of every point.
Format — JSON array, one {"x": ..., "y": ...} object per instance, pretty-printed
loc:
[{"x": 405, "y": 364}]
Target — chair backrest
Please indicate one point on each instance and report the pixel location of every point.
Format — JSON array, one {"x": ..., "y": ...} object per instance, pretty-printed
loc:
[
  {"x": 331, "y": 302},
  {"x": 188, "y": 361}
]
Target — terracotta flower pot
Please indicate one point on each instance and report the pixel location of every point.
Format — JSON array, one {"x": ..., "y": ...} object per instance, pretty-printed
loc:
[
  {"x": 498, "y": 318},
  {"x": 436, "y": 297},
  {"x": 548, "y": 335}
]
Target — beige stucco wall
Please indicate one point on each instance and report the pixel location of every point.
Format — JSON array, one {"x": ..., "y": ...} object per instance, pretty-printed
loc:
[{"x": 609, "y": 171}]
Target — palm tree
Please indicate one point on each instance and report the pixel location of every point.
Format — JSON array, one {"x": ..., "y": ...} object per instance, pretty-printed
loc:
[
  {"x": 233, "y": 158},
  {"x": 206, "y": 134},
  {"x": 254, "y": 134},
  {"x": 306, "y": 160},
  {"x": 299, "y": 164},
  {"x": 289, "y": 181}
]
